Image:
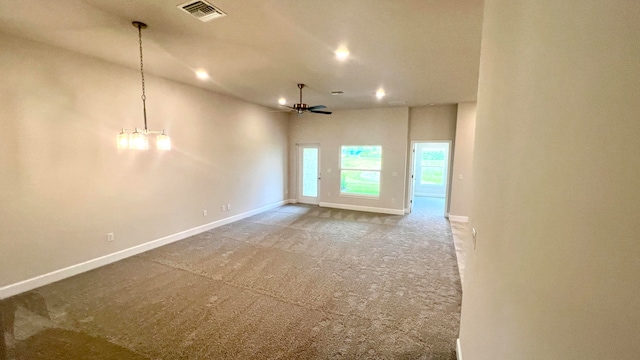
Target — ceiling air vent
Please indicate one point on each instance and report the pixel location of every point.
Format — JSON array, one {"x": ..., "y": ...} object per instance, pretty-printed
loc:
[{"x": 202, "y": 10}]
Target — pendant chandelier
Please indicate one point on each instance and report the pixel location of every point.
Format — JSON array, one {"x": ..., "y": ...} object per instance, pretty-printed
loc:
[{"x": 138, "y": 139}]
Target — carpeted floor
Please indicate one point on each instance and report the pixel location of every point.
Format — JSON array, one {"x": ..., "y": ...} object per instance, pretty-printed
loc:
[{"x": 297, "y": 282}]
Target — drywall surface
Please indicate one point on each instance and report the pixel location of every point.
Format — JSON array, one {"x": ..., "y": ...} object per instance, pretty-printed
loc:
[
  {"x": 383, "y": 126},
  {"x": 462, "y": 173},
  {"x": 64, "y": 185},
  {"x": 432, "y": 123},
  {"x": 556, "y": 195}
]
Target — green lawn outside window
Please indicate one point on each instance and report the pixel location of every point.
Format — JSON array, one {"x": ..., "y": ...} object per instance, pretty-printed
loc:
[{"x": 360, "y": 170}]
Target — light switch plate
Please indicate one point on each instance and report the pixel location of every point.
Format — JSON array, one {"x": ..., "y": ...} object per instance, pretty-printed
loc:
[{"x": 474, "y": 235}]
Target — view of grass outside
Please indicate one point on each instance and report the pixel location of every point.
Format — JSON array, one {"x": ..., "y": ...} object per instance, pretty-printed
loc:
[
  {"x": 432, "y": 167},
  {"x": 432, "y": 176},
  {"x": 360, "y": 170},
  {"x": 360, "y": 182}
]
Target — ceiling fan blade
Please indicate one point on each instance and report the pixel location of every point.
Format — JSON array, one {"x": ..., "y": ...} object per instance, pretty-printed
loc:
[
  {"x": 287, "y": 106},
  {"x": 321, "y": 112},
  {"x": 317, "y": 107}
]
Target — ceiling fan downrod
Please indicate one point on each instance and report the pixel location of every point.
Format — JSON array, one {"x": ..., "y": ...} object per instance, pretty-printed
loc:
[{"x": 300, "y": 107}]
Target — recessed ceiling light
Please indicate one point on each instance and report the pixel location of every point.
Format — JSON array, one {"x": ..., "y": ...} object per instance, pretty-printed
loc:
[
  {"x": 342, "y": 53},
  {"x": 380, "y": 94},
  {"x": 338, "y": 92},
  {"x": 282, "y": 101},
  {"x": 202, "y": 75}
]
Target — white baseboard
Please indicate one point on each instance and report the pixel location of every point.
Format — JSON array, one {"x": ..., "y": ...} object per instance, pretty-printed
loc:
[
  {"x": 458, "y": 218},
  {"x": 458, "y": 349},
  {"x": 292, "y": 201},
  {"x": 363, "y": 208},
  {"x": 38, "y": 281}
]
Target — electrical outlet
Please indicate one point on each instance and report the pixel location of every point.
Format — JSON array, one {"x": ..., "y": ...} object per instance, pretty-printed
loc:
[
  {"x": 111, "y": 237},
  {"x": 228, "y": 206},
  {"x": 223, "y": 208},
  {"x": 474, "y": 235},
  {"x": 204, "y": 212}
]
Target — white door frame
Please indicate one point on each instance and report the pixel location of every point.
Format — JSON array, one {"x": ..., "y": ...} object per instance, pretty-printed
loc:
[
  {"x": 300, "y": 198},
  {"x": 413, "y": 169}
]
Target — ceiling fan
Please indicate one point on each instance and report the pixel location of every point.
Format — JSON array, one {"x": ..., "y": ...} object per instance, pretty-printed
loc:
[{"x": 300, "y": 108}]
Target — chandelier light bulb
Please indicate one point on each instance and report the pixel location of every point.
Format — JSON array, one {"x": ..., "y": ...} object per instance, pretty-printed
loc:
[
  {"x": 123, "y": 140},
  {"x": 139, "y": 141},
  {"x": 163, "y": 141}
]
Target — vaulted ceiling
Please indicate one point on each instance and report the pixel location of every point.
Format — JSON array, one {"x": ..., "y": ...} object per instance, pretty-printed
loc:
[{"x": 419, "y": 52}]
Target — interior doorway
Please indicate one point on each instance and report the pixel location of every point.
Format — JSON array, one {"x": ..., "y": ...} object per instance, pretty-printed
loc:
[
  {"x": 429, "y": 189},
  {"x": 308, "y": 173}
]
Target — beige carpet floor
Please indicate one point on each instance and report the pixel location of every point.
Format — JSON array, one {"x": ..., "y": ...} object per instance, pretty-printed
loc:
[{"x": 297, "y": 282}]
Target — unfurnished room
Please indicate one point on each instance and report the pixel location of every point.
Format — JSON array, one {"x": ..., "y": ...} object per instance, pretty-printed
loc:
[{"x": 296, "y": 179}]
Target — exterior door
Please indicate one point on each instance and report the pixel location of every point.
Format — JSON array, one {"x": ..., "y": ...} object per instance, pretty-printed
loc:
[
  {"x": 308, "y": 173},
  {"x": 431, "y": 169}
]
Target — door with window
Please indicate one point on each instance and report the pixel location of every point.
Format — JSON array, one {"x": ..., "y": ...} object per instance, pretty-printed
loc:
[
  {"x": 431, "y": 169},
  {"x": 308, "y": 173}
]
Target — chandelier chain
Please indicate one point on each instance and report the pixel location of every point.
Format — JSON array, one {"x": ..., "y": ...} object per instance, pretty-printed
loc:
[{"x": 144, "y": 96}]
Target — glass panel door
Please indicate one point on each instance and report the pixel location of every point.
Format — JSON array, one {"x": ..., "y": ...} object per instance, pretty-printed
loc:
[
  {"x": 431, "y": 169},
  {"x": 308, "y": 174}
]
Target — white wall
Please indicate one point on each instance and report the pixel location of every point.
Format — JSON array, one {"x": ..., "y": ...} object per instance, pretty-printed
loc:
[
  {"x": 556, "y": 197},
  {"x": 462, "y": 174},
  {"x": 384, "y": 126},
  {"x": 64, "y": 185}
]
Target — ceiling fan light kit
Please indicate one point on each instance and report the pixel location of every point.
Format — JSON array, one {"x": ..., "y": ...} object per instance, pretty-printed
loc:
[{"x": 138, "y": 139}]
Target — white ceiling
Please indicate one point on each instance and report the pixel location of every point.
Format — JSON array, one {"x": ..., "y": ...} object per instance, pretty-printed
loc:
[{"x": 418, "y": 51}]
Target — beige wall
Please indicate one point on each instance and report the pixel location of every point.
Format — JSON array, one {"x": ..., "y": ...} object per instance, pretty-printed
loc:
[
  {"x": 462, "y": 173},
  {"x": 432, "y": 123},
  {"x": 64, "y": 185},
  {"x": 556, "y": 197},
  {"x": 384, "y": 126}
]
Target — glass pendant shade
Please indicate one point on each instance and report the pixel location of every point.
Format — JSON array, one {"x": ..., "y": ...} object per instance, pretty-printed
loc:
[
  {"x": 123, "y": 140},
  {"x": 163, "y": 141},
  {"x": 138, "y": 141}
]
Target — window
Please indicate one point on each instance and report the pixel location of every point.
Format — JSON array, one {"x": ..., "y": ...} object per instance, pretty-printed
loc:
[
  {"x": 360, "y": 170},
  {"x": 433, "y": 166}
]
